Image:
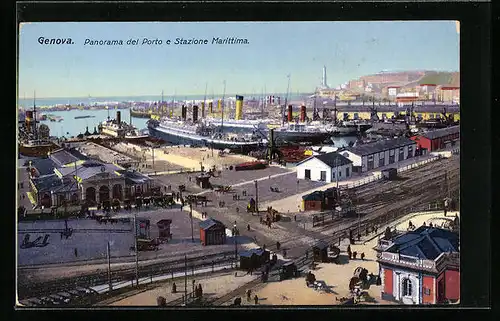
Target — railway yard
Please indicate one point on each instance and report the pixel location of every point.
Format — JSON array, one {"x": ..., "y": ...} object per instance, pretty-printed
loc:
[{"x": 413, "y": 190}]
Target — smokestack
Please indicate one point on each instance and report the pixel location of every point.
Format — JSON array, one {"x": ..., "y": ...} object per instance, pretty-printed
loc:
[
  {"x": 28, "y": 120},
  {"x": 183, "y": 112},
  {"x": 195, "y": 114},
  {"x": 202, "y": 109},
  {"x": 303, "y": 114},
  {"x": 239, "y": 107},
  {"x": 119, "y": 118},
  {"x": 290, "y": 113},
  {"x": 210, "y": 107},
  {"x": 219, "y": 105}
]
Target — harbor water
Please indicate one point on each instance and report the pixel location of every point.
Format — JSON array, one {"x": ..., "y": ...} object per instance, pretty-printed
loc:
[{"x": 70, "y": 127}]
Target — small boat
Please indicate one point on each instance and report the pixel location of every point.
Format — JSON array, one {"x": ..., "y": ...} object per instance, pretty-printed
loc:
[{"x": 86, "y": 116}]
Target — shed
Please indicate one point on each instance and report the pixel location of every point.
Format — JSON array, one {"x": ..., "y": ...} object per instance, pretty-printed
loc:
[
  {"x": 390, "y": 173},
  {"x": 320, "y": 251},
  {"x": 254, "y": 258},
  {"x": 164, "y": 229},
  {"x": 212, "y": 232},
  {"x": 314, "y": 201},
  {"x": 203, "y": 181}
]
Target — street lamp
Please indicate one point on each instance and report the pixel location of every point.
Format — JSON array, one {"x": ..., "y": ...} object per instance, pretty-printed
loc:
[
  {"x": 191, "y": 218},
  {"x": 136, "y": 251}
]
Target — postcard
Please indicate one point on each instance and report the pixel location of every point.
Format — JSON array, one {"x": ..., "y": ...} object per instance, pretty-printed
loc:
[{"x": 256, "y": 164}]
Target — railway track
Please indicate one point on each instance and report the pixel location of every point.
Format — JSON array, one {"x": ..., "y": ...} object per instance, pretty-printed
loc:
[{"x": 28, "y": 289}]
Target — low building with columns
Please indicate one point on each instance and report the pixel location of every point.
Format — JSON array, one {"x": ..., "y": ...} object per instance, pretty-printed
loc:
[
  {"x": 420, "y": 266},
  {"x": 91, "y": 181}
]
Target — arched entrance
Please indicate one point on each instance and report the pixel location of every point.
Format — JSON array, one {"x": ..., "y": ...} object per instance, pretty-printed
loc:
[
  {"x": 90, "y": 194},
  {"x": 117, "y": 192},
  {"x": 103, "y": 193},
  {"x": 46, "y": 200}
]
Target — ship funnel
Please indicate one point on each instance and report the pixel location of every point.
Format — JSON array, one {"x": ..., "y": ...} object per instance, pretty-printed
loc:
[
  {"x": 28, "y": 120},
  {"x": 239, "y": 107},
  {"x": 290, "y": 113},
  {"x": 303, "y": 114},
  {"x": 195, "y": 114},
  {"x": 219, "y": 105},
  {"x": 202, "y": 109},
  {"x": 119, "y": 118},
  {"x": 210, "y": 107},
  {"x": 183, "y": 112}
]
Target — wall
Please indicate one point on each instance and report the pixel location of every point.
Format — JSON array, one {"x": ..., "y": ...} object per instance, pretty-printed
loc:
[
  {"x": 316, "y": 166},
  {"x": 452, "y": 284},
  {"x": 356, "y": 160},
  {"x": 399, "y": 276},
  {"x": 429, "y": 283}
]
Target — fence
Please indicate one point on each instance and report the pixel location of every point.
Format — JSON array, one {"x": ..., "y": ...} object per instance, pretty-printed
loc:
[{"x": 379, "y": 176}]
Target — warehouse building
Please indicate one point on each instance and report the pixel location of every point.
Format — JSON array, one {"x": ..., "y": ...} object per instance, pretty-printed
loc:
[
  {"x": 437, "y": 139},
  {"x": 328, "y": 168},
  {"x": 420, "y": 267},
  {"x": 370, "y": 156}
]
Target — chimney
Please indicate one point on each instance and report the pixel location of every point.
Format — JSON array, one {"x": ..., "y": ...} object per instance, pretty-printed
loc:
[
  {"x": 195, "y": 114},
  {"x": 28, "y": 120},
  {"x": 183, "y": 112},
  {"x": 290, "y": 113},
  {"x": 303, "y": 113},
  {"x": 119, "y": 118},
  {"x": 239, "y": 108},
  {"x": 202, "y": 109},
  {"x": 210, "y": 107}
]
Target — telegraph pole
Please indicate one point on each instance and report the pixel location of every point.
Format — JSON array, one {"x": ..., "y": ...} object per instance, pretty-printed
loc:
[
  {"x": 185, "y": 276},
  {"x": 256, "y": 197},
  {"x": 136, "y": 252},
  {"x": 109, "y": 268}
]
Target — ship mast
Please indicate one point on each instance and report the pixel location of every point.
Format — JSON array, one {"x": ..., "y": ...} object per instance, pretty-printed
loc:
[
  {"x": 286, "y": 99},
  {"x": 222, "y": 107},
  {"x": 34, "y": 115},
  {"x": 205, "y": 100}
]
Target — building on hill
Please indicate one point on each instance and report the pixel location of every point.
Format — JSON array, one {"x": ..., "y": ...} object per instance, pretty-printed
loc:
[
  {"x": 420, "y": 267},
  {"x": 328, "y": 168}
]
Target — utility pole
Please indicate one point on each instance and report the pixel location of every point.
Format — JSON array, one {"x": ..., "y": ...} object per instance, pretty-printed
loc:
[
  {"x": 185, "y": 276},
  {"x": 191, "y": 218},
  {"x": 256, "y": 197},
  {"x": 109, "y": 268},
  {"x": 136, "y": 252}
]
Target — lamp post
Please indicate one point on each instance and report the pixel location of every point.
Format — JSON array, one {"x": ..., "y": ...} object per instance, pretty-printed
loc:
[
  {"x": 191, "y": 218},
  {"x": 256, "y": 197},
  {"x": 109, "y": 268}
]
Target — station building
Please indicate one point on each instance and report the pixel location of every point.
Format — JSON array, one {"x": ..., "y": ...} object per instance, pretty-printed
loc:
[
  {"x": 327, "y": 167},
  {"x": 370, "y": 156},
  {"x": 63, "y": 177},
  {"x": 420, "y": 267}
]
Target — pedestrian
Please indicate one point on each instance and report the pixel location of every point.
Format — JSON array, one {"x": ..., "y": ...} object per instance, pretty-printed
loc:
[
  {"x": 238, "y": 197},
  {"x": 423, "y": 224},
  {"x": 354, "y": 254},
  {"x": 444, "y": 214},
  {"x": 430, "y": 225},
  {"x": 278, "y": 245},
  {"x": 363, "y": 256},
  {"x": 190, "y": 178},
  {"x": 256, "y": 299},
  {"x": 376, "y": 227},
  {"x": 76, "y": 252},
  {"x": 249, "y": 295},
  {"x": 359, "y": 237},
  {"x": 248, "y": 227},
  {"x": 295, "y": 218},
  {"x": 237, "y": 210},
  {"x": 284, "y": 253}
]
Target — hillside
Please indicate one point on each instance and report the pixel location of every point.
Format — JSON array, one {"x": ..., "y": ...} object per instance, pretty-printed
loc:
[{"x": 440, "y": 78}]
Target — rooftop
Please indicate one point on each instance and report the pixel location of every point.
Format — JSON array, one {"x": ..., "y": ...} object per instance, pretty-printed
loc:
[
  {"x": 425, "y": 243},
  {"x": 441, "y": 132},
  {"x": 332, "y": 159},
  {"x": 62, "y": 157},
  {"x": 380, "y": 146},
  {"x": 205, "y": 225}
]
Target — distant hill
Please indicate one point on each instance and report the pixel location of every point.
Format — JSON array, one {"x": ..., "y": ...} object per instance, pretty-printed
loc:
[{"x": 440, "y": 78}]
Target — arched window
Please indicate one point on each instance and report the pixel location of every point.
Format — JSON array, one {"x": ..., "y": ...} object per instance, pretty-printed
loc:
[{"x": 407, "y": 287}]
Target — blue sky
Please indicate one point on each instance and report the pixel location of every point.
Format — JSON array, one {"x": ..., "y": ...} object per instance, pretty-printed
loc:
[{"x": 275, "y": 49}]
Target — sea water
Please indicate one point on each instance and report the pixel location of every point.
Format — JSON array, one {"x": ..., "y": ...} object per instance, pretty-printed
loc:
[{"x": 70, "y": 127}]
